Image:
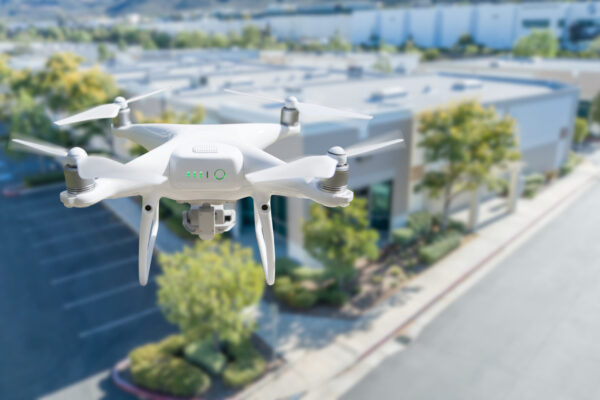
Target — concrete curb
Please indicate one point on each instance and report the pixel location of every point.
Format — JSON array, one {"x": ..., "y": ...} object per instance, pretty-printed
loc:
[{"x": 394, "y": 332}]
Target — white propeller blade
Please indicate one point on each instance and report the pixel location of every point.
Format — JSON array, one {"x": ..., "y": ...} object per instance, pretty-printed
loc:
[
  {"x": 104, "y": 111},
  {"x": 307, "y": 168},
  {"x": 103, "y": 167},
  {"x": 370, "y": 148},
  {"x": 143, "y": 96},
  {"x": 308, "y": 108},
  {"x": 39, "y": 147},
  {"x": 99, "y": 112}
]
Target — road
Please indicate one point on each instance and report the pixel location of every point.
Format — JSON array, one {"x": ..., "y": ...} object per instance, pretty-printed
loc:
[
  {"x": 70, "y": 304},
  {"x": 529, "y": 329}
]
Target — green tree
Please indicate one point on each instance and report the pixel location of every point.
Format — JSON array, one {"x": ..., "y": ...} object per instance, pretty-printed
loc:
[
  {"x": 337, "y": 237},
  {"x": 581, "y": 130},
  {"x": 205, "y": 289},
  {"x": 338, "y": 43},
  {"x": 594, "y": 47},
  {"x": 541, "y": 43},
  {"x": 251, "y": 37},
  {"x": 468, "y": 140},
  {"x": 103, "y": 53},
  {"x": 69, "y": 88},
  {"x": 382, "y": 64}
]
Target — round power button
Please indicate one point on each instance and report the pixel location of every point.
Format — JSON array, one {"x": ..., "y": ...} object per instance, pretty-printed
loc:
[{"x": 219, "y": 174}]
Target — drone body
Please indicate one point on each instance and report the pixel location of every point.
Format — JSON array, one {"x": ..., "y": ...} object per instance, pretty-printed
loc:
[{"x": 208, "y": 166}]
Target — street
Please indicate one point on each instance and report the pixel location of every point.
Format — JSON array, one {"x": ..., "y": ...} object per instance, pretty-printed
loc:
[
  {"x": 70, "y": 303},
  {"x": 527, "y": 330}
]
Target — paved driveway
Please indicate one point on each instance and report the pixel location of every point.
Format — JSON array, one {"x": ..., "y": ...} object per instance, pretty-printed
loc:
[
  {"x": 70, "y": 304},
  {"x": 529, "y": 330}
]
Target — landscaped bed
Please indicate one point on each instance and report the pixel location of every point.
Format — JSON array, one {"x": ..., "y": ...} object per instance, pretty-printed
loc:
[
  {"x": 415, "y": 247},
  {"x": 175, "y": 367}
]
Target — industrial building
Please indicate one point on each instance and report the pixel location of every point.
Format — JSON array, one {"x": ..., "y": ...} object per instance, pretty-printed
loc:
[{"x": 544, "y": 112}]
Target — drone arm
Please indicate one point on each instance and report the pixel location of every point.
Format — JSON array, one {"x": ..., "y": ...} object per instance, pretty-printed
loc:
[
  {"x": 148, "y": 231},
  {"x": 264, "y": 235}
]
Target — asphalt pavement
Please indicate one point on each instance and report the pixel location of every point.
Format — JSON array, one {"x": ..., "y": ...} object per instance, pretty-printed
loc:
[
  {"x": 528, "y": 330},
  {"x": 70, "y": 303}
]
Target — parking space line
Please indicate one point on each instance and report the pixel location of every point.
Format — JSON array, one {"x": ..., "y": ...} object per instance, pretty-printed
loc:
[
  {"x": 102, "y": 295},
  {"x": 60, "y": 257},
  {"x": 82, "y": 274},
  {"x": 69, "y": 218},
  {"x": 118, "y": 322},
  {"x": 89, "y": 231}
]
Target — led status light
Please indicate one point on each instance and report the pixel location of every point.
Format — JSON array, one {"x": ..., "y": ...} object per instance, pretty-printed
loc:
[{"x": 219, "y": 174}]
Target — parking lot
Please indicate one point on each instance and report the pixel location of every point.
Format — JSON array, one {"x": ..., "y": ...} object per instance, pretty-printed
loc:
[{"x": 70, "y": 303}]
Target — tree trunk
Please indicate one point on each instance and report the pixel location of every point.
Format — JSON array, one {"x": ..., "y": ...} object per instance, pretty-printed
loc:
[
  {"x": 216, "y": 342},
  {"x": 446, "y": 208}
]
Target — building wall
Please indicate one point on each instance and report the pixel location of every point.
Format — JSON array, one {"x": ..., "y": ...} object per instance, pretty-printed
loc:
[
  {"x": 495, "y": 25},
  {"x": 423, "y": 23},
  {"x": 455, "y": 22},
  {"x": 394, "y": 27}
]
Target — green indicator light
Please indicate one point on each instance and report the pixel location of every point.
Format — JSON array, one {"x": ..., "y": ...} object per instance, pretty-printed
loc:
[
  {"x": 194, "y": 174},
  {"x": 219, "y": 174},
  {"x": 200, "y": 174},
  {"x": 188, "y": 174}
]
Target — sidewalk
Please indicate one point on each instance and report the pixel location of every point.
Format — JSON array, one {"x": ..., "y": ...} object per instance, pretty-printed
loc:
[{"x": 316, "y": 369}]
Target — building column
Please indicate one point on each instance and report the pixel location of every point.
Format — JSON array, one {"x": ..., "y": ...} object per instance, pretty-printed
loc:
[
  {"x": 473, "y": 209},
  {"x": 513, "y": 188}
]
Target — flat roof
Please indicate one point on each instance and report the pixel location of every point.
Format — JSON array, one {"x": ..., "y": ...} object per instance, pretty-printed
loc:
[{"x": 413, "y": 93}]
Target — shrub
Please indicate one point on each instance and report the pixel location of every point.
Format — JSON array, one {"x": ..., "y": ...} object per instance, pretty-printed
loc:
[
  {"x": 395, "y": 270},
  {"x": 155, "y": 369},
  {"x": 172, "y": 344},
  {"x": 533, "y": 183},
  {"x": 573, "y": 160},
  {"x": 403, "y": 236},
  {"x": 286, "y": 265},
  {"x": 458, "y": 226},
  {"x": 203, "y": 354},
  {"x": 294, "y": 295},
  {"x": 307, "y": 274},
  {"x": 420, "y": 222},
  {"x": 438, "y": 249},
  {"x": 303, "y": 298},
  {"x": 376, "y": 279},
  {"x": 240, "y": 373},
  {"x": 248, "y": 365},
  {"x": 430, "y": 54},
  {"x": 332, "y": 295}
]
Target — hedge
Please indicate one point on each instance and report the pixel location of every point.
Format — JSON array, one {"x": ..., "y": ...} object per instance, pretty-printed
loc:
[
  {"x": 248, "y": 365},
  {"x": 294, "y": 295},
  {"x": 420, "y": 222},
  {"x": 154, "y": 368},
  {"x": 442, "y": 246},
  {"x": 307, "y": 274},
  {"x": 286, "y": 265},
  {"x": 403, "y": 236},
  {"x": 203, "y": 354}
]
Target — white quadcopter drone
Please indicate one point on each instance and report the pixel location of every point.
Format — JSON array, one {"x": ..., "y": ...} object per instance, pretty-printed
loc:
[{"x": 207, "y": 166}]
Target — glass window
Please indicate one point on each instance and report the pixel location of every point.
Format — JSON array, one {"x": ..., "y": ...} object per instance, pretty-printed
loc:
[{"x": 536, "y": 23}]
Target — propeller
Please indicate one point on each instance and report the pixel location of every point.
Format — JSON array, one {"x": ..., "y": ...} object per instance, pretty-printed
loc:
[
  {"x": 104, "y": 167},
  {"x": 320, "y": 167},
  {"x": 39, "y": 147},
  {"x": 307, "y": 168},
  {"x": 90, "y": 167},
  {"x": 308, "y": 108},
  {"x": 362, "y": 149},
  {"x": 110, "y": 110}
]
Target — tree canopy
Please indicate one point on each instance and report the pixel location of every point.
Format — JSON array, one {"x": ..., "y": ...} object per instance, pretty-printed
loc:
[
  {"x": 339, "y": 236},
  {"x": 541, "y": 43},
  {"x": 205, "y": 289},
  {"x": 468, "y": 140}
]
